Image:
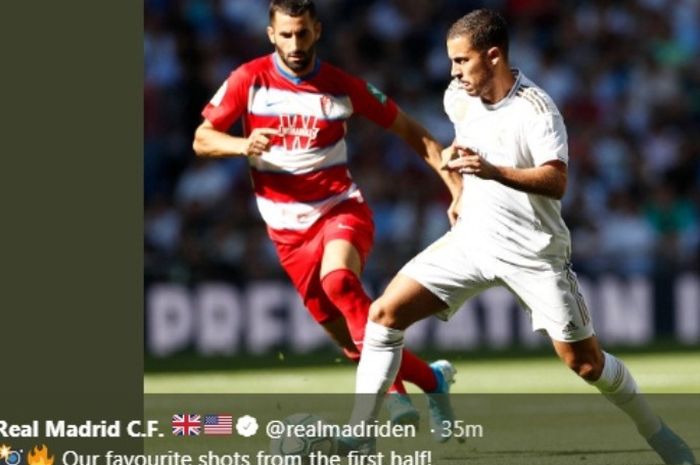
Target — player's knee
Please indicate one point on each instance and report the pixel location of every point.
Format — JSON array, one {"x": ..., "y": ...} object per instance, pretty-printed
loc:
[
  {"x": 382, "y": 314},
  {"x": 587, "y": 367}
]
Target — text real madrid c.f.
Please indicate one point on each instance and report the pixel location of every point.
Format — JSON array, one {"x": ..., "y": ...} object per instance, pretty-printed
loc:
[{"x": 61, "y": 429}]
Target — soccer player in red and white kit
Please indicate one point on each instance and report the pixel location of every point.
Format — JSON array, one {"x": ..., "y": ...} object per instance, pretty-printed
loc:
[{"x": 294, "y": 109}]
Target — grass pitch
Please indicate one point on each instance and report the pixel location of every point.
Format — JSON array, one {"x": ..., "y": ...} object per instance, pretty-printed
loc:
[
  {"x": 520, "y": 429},
  {"x": 654, "y": 372}
]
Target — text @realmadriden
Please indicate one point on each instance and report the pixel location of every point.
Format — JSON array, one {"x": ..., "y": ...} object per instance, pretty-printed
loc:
[{"x": 422, "y": 457}]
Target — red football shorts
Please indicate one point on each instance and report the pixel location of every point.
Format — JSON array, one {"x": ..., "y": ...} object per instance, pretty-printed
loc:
[{"x": 301, "y": 252}]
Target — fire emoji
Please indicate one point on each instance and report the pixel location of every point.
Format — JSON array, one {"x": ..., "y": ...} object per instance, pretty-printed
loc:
[{"x": 39, "y": 456}]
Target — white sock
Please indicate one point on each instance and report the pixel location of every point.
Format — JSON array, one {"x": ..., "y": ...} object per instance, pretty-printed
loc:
[
  {"x": 379, "y": 364},
  {"x": 619, "y": 387}
]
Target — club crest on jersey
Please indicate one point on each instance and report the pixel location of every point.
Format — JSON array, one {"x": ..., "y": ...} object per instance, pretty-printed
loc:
[
  {"x": 326, "y": 105},
  {"x": 298, "y": 131}
]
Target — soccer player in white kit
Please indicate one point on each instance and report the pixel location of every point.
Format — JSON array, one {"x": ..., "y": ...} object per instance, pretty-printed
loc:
[{"x": 511, "y": 147}]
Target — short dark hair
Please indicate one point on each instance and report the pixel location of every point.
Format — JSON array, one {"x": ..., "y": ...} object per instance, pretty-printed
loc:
[
  {"x": 484, "y": 28},
  {"x": 292, "y": 8}
]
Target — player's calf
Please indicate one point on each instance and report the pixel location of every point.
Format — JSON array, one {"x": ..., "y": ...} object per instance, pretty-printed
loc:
[
  {"x": 587, "y": 368},
  {"x": 583, "y": 357}
]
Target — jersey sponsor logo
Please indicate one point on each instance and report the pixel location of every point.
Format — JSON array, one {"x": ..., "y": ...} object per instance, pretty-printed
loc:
[
  {"x": 345, "y": 226},
  {"x": 376, "y": 93},
  {"x": 298, "y": 131}
]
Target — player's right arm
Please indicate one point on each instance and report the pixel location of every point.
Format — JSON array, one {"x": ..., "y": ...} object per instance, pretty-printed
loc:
[
  {"x": 230, "y": 102},
  {"x": 210, "y": 142}
]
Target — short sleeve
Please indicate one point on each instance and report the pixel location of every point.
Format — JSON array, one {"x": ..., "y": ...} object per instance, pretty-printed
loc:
[
  {"x": 230, "y": 101},
  {"x": 546, "y": 138},
  {"x": 453, "y": 102},
  {"x": 456, "y": 103},
  {"x": 371, "y": 103}
]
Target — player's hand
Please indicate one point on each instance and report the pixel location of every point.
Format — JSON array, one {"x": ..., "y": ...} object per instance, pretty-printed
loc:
[
  {"x": 470, "y": 162},
  {"x": 259, "y": 141},
  {"x": 447, "y": 154}
]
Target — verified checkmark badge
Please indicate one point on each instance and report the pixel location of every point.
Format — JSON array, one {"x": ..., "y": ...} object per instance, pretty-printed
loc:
[{"x": 246, "y": 426}]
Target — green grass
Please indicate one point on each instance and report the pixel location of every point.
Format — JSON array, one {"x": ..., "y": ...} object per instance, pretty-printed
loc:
[
  {"x": 674, "y": 372},
  {"x": 520, "y": 430}
]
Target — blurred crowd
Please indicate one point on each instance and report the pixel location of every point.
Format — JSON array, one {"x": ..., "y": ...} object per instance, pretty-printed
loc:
[{"x": 625, "y": 74}]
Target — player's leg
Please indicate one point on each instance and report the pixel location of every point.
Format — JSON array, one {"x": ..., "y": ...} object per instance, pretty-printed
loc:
[
  {"x": 340, "y": 270},
  {"x": 348, "y": 235},
  {"x": 558, "y": 307},
  {"x": 337, "y": 329},
  {"x": 398, "y": 404},
  {"x": 341, "y": 264},
  {"x": 438, "y": 280},
  {"x": 612, "y": 378},
  {"x": 342, "y": 285},
  {"x": 302, "y": 263},
  {"x": 403, "y": 302}
]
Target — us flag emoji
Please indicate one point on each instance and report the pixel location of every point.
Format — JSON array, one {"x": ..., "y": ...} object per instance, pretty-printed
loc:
[{"x": 218, "y": 424}]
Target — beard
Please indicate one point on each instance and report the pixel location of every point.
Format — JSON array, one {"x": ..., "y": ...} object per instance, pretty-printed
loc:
[
  {"x": 482, "y": 85},
  {"x": 299, "y": 60}
]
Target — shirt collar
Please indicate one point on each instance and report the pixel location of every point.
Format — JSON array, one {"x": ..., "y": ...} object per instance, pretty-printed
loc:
[
  {"x": 517, "y": 75},
  {"x": 290, "y": 77}
]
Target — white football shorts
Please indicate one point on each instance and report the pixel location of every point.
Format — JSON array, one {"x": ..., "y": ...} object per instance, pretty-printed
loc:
[{"x": 454, "y": 269}]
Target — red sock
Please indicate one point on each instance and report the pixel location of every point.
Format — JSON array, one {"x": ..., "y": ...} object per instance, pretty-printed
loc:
[
  {"x": 417, "y": 371},
  {"x": 344, "y": 289}
]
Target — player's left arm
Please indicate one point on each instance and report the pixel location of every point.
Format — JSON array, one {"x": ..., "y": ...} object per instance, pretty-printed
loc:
[
  {"x": 548, "y": 179},
  {"x": 415, "y": 135},
  {"x": 368, "y": 101}
]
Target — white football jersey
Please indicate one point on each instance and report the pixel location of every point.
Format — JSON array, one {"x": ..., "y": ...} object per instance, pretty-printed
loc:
[{"x": 523, "y": 130}]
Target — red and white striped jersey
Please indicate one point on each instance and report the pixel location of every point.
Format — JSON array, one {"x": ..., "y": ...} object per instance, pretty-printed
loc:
[{"x": 304, "y": 174}]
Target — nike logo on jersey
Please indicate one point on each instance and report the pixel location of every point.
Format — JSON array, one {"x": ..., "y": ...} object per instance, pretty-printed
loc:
[
  {"x": 272, "y": 103},
  {"x": 345, "y": 226}
]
